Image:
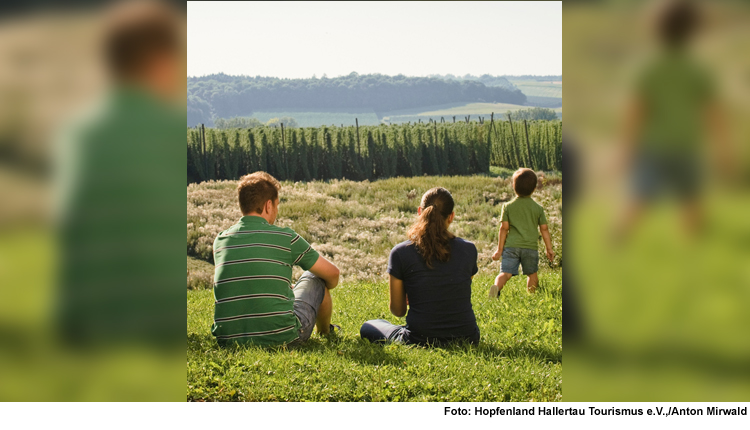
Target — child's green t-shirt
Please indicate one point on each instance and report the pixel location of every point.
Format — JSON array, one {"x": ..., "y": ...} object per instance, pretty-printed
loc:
[
  {"x": 525, "y": 216},
  {"x": 675, "y": 91}
]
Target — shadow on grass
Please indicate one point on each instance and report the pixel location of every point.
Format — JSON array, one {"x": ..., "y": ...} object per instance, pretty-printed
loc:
[
  {"x": 364, "y": 352},
  {"x": 492, "y": 351},
  {"x": 199, "y": 342},
  {"x": 369, "y": 353}
]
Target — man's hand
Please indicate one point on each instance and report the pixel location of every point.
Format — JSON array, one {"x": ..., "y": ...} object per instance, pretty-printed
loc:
[
  {"x": 550, "y": 255},
  {"x": 496, "y": 256}
]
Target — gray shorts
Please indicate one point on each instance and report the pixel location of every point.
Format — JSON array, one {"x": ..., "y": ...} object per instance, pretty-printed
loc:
[
  {"x": 512, "y": 257},
  {"x": 656, "y": 175},
  {"x": 308, "y": 295}
]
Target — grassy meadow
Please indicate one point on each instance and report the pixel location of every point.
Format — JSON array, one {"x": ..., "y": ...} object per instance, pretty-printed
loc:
[
  {"x": 355, "y": 224},
  {"x": 449, "y": 111},
  {"x": 318, "y": 117},
  {"x": 539, "y": 88}
]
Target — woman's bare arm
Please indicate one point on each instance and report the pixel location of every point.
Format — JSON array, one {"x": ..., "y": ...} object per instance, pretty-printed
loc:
[{"x": 398, "y": 299}]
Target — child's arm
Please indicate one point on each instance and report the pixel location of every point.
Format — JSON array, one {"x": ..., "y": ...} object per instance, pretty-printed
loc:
[
  {"x": 547, "y": 241},
  {"x": 504, "y": 228}
]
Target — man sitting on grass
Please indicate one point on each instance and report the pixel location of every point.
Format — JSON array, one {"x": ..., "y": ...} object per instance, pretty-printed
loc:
[{"x": 255, "y": 301}]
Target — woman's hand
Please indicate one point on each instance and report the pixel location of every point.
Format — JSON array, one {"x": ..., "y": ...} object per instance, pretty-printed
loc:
[{"x": 496, "y": 256}]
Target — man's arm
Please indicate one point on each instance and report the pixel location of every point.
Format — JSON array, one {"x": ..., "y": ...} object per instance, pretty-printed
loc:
[
  {"x": 398, "y": 300},
  {"x": 504, "y": 228},
  {"x": 326, "y": 271},
  {"x": 547, "y": 241}
]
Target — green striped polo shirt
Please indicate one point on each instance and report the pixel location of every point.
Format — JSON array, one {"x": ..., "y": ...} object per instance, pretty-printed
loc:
[{"x": 254, "y": 301}]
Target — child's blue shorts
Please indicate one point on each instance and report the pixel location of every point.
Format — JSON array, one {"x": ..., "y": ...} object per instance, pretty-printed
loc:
[{"x": 512, "y": 257}]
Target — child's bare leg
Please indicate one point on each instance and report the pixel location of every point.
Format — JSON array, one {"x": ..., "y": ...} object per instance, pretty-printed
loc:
[
  {"x": 693, "y": 217},
  {"x": 532, "y": 283},
  {"x": 500, "y": 281},
  {"x": 626, "y": 224}
]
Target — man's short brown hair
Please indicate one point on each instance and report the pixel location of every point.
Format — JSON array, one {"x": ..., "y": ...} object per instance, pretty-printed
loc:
[
  {"x": 524, "y": 181},
  {"x": 255, "y": 190},
  {"x": 137, "y": 33}
]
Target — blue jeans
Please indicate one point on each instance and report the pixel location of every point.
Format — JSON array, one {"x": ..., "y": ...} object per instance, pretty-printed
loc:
[
  {"x": 381, "y": 331},
  {"x": 512, "y": 257}
]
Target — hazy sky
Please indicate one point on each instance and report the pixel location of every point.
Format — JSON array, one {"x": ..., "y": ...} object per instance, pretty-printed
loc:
[{"x": 299, "y": 39}]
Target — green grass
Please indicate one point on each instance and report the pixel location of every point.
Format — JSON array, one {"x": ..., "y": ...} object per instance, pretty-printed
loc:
[
  {"x": 475, "y": 109},
  {"x": 548, "y": 102},
  {"x": 688, "y": 340},
  {"x": 518, "y": 359},
  {"x": 539, "y": 88},
  {"x": 36, "y": 366},
  {"x": 355, "y": 224},
  {"x": 316, "y": 118},
  {"x": 459, "y": 111}
]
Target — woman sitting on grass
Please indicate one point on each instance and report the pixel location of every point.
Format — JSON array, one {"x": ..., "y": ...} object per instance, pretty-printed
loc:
[{"x": 430, "y": 274}]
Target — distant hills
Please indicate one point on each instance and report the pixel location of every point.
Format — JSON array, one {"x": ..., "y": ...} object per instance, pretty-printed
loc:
[
  {"x": 501, "y": 81},
  {"x": 224, "y": 96}
]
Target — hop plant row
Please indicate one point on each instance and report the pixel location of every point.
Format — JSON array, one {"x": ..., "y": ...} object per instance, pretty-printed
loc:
[{"x": 373, "y": 152}]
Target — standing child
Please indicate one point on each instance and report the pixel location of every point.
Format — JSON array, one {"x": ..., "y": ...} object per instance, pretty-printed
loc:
[{"x": 518, "y": 235}]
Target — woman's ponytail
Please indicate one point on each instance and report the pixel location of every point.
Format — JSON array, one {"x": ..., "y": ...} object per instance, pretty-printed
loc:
[{"x": 430, "y": 233}]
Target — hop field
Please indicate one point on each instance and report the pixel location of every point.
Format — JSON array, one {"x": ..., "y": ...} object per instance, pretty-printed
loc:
[
  {"x": 374, "y": 152},
  {"x": 355, "y": 224}
]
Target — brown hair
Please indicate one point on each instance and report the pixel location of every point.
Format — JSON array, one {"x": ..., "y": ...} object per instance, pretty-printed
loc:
[
  {"x": 255, "y": 190},
  {"x": 430, "y": 233},
  {"x": 137, "y": 33},
  {"x": 677, "y": 22},
  {"x": 524, "y": 181}
]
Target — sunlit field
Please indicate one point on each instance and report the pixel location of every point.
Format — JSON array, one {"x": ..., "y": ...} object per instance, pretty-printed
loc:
[{"x": 355, "y": 224}]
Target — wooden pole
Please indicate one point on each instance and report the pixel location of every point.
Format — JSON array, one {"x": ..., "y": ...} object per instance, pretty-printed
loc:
[
  {"x": 359, "y": 148},
  {"x": 492, "y": 123},
  {"x": 436, "y": 139},
  {"x": 283, "y": 151},
  {"x": 203, "y": 145},
  {"x": 528, "y": 147},
  {"x": 515, "y": 144}
]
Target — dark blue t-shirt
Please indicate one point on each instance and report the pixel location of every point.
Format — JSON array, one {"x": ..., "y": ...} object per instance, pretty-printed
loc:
[{"x": 439, "y": 298}]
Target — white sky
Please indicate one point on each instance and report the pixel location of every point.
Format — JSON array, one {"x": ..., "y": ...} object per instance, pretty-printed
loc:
[{"x": 299, "y": 39}]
